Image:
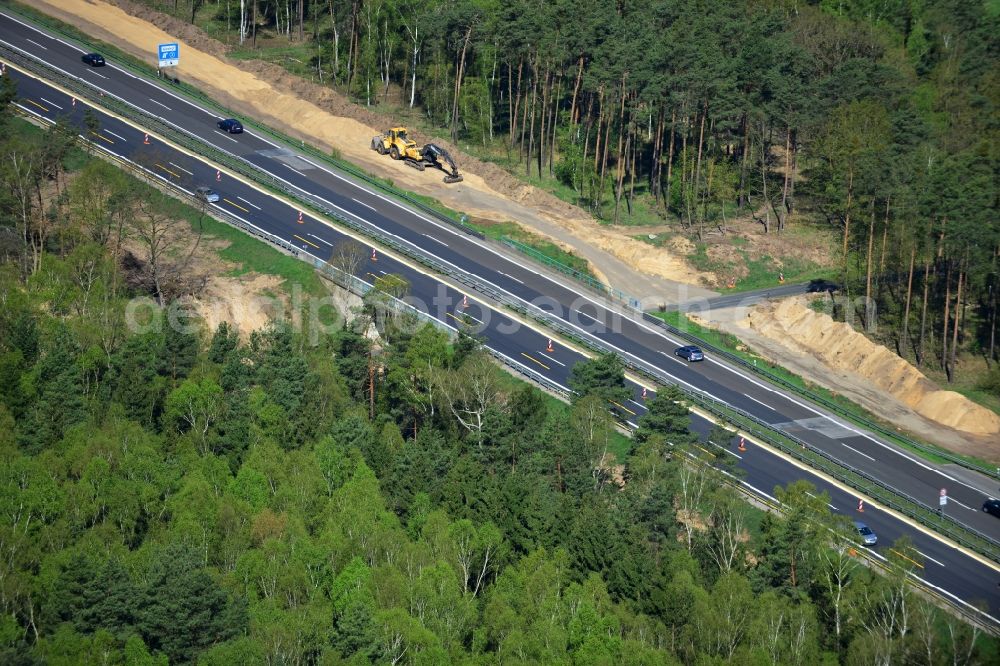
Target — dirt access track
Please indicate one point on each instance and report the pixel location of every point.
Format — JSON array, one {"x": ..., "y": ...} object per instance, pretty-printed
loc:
[{"x": 326, "y": 119}]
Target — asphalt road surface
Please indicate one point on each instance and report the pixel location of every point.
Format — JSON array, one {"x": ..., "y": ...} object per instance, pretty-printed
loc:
[{"x": 963, "y": 576}]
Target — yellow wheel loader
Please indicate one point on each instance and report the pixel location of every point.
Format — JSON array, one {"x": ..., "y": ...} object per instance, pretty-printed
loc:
[{"x": 400, "y": 147}]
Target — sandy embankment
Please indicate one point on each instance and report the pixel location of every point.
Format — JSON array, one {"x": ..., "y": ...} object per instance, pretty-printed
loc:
[{"x": 840, "y": 347}]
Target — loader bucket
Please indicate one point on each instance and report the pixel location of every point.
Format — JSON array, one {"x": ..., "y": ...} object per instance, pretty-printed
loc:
[{"x": 453, "y": 179}]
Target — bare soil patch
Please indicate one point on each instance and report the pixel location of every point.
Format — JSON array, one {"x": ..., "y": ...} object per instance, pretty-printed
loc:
[{"x": 198, "y": 279}]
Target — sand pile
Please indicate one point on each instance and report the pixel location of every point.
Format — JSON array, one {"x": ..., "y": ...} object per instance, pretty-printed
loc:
[
  {"x": 323, "y": 117},
  {"x": 839, "y": 346},
  {"x": 243, "y": 302}
]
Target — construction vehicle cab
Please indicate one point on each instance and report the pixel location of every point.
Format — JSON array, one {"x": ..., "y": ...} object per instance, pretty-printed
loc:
[
  {"x": 396, "y": 144},
  {"x": 399, "y": 146}
]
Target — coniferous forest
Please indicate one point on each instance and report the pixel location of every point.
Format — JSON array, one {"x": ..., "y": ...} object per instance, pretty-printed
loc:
[{"x": 171, "y": 494}]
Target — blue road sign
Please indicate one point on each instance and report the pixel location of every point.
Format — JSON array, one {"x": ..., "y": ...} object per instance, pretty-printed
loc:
[{"x": 168, "y": 54}]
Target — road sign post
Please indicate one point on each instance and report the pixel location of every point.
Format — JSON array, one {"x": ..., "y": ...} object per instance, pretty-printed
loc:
[{"x": 168, "y": 54}]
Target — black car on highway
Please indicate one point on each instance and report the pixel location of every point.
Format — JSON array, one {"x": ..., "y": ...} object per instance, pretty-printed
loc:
[
  {"x": 230, "y": 125},
  {"x": 93, "y": 59},
  {"x": 816, "y": 286},
  {"x": 992, "y": 507},
  {"x": 690, "y": 352}
]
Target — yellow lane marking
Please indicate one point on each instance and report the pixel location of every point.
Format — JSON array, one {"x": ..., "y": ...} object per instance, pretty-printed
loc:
[
  {"x": 893, "y": 550},
  {"x": 296, "y": 235},
  {"x": 622, "y": 406},
  {"x": 103, "y": 138},
  {"x": 31, "y": 101},
  {"x": 233, "y": 203},
  {"x": 172, "y": 173},
  {"x": 706, "y": 451},
  {"x": 532, "y": 358}
]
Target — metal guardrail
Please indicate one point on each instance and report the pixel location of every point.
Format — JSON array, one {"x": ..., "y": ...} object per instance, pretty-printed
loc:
[
  {"x": 763, "y": 431},
  {"x": 583, "y": 278},
  {"x": 820, "y": 400}
]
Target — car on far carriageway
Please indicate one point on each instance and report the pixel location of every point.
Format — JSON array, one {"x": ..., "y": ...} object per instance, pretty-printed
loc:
[
  {"x": 230, "y": 125},
  {"x": 816, "y": 286},
  {"x": 690, "y": 352},
  {"x": 867, "y": 536},
  {"x": 93, "y": 59},
  {"x": 992, "y": 507},
  {"x": 206, "y": 194}
]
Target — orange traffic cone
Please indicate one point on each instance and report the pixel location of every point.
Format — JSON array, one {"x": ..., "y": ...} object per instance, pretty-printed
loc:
[
  {"x": 548, "y": 347},
  {"x": 643, "y": 392},
  {"x": 465, "y": 302},
  {"x": 781, "y": 278},
  {"x": 300, "y": 218},
  {"x": 73, "y": 103},
  {"x": 861, "y": 506},
  {"x": 743, "y": 445},
  {"x": 145, "y": 140},
  {"x": 374, "y": 258},
  {"x": 218, "y": 176}
]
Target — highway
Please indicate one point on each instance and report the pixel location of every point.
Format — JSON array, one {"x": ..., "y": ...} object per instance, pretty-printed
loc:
[{"x": 965, "y": 577}]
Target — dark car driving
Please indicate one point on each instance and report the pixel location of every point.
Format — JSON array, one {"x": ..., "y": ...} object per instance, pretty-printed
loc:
[
  {"x": 93, "y": 59},
  {"x": 230, "y": 125},
  {"x": 816, "y": 286},
  {"x": 992, "y": 507},
  {"x": 691, "y": 353}
]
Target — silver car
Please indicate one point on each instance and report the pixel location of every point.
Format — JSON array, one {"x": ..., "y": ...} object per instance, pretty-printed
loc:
[
  {"x": 867, "y": 536},
  {"x": 207, "y": 194}
]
